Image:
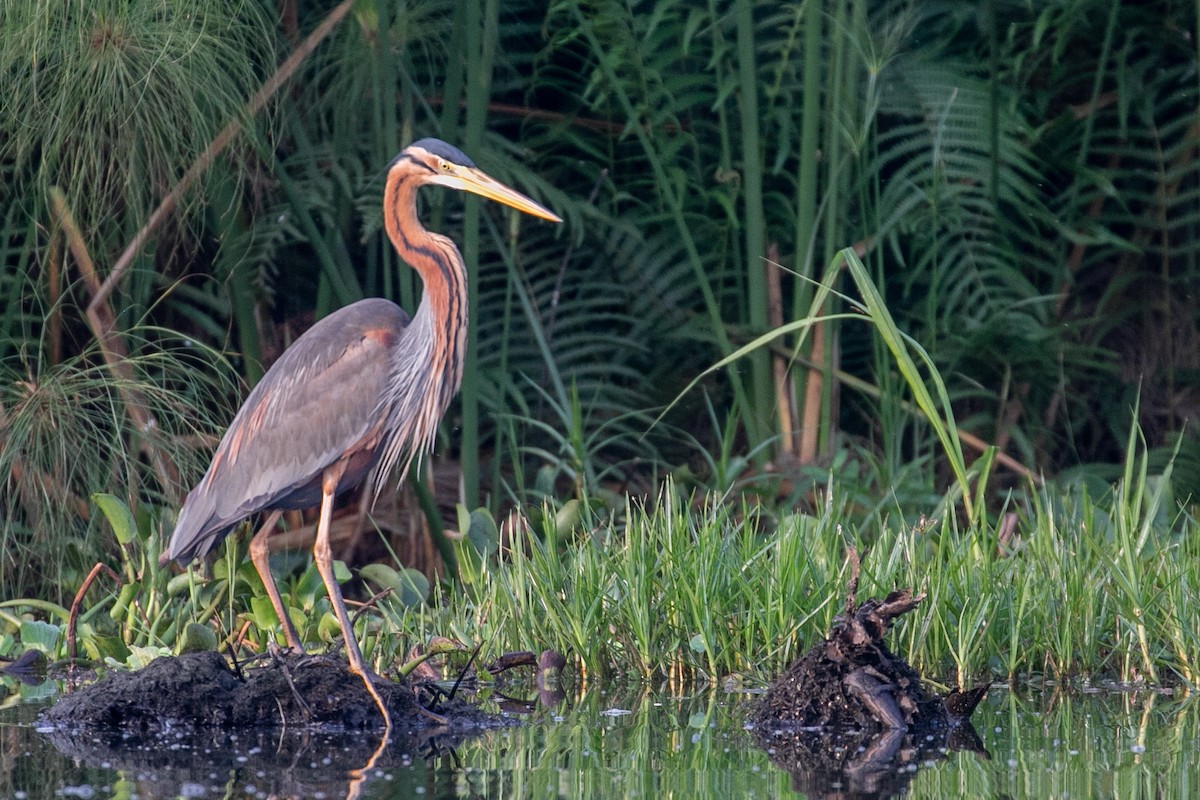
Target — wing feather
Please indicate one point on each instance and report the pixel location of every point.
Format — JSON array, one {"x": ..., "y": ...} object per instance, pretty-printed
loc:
[{"x": 321, "y": 401}]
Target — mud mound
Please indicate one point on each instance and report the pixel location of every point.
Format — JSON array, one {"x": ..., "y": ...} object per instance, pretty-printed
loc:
[
  {"x": 851, "y": 679},
  {"x": 201, "y": 690}
]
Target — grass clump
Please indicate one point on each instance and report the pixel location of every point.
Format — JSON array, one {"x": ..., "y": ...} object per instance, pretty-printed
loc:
[
  {"x": 1064, "y": 585},
  {"x": 67, "y": 431},
  {"x": 1068, "y": 582}
]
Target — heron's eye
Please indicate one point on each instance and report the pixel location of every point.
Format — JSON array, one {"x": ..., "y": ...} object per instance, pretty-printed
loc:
[{"x": 446, "y": 166}]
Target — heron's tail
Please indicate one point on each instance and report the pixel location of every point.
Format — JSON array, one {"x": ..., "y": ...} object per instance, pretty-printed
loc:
[{"x": 197, "y": 530}]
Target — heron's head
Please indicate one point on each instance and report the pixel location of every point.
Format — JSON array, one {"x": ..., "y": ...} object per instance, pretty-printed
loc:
[{"x": 432, "y": 162}]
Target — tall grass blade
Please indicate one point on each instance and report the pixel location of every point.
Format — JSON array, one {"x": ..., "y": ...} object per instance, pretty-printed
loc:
[{"x": 938, "y": 413}]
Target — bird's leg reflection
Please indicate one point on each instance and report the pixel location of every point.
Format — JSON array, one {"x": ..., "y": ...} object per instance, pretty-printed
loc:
[{"x": 359, "y": 776}]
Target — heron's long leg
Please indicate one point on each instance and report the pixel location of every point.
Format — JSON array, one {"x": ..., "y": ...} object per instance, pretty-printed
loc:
[
  {"x": 323, "y": 555},
  {"x": 260, "y": 554}
]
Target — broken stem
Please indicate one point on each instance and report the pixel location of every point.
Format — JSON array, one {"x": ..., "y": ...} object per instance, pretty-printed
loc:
[
  {"x": 103, "y": 324},
  {"x": 73, "y": 616},
  {"x": 222, "y": 140}
]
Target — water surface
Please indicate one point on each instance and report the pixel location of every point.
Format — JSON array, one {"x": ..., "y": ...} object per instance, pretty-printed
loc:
[{"x": 633, "y": 743}]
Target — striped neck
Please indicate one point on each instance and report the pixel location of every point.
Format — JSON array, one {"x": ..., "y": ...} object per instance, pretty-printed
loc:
[{"x": 427, "y": 365}]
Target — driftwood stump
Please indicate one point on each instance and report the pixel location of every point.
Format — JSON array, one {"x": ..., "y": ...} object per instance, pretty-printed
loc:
[
  {"x": 850, "y": 713},
  {"x": 851, "y": 680}
]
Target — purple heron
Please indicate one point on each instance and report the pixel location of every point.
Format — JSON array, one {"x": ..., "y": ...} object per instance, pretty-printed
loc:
[{"x": 361, "y": 392}]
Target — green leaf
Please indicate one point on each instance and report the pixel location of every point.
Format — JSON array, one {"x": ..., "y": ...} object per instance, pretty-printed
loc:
[
  {"x": 140, "y": 657},
  {"x": 104, "y": 648},
  {"x": 329, "y": 628},
  {"x": 410, "y": 586},
  {"x": 463, "y": 515},
  {"x": 263, "y": 613},
  {"x": 38, "y": 635},
  {"x": 382, "y": 575},
  {"x": 310, "y": 587},
  {"x": 179, "y": 583},
  {"x": 118, "y": 515},
  {"x": 568, "y": 518},
  {"x": 198, "y": 638},
  {"x": 483, "y": 532}
]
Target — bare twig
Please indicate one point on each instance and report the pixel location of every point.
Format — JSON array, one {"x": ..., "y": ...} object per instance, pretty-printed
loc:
[
  {"x": 463, "y": 673},
  {"x": 507, "y": 661},
  {"x": 73, "y": 616}
]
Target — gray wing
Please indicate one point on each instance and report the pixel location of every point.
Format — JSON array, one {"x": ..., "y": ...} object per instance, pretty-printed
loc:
[{"x": 319, "y": 402}]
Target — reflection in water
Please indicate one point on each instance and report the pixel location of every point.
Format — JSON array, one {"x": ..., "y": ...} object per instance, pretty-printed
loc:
[
  {"x": 853, "y": 763},
  {"x": 259, "y": 763},
  {"x": 643, "y": 744}
]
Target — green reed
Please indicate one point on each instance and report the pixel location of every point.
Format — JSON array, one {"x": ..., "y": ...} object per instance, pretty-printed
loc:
[
  {"x": 1069, "y": 582},
  {"x": 1090, "y": 587}
]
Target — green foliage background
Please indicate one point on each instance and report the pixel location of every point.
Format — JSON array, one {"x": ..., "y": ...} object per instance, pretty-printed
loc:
[{"x": 1020, "y": 179}]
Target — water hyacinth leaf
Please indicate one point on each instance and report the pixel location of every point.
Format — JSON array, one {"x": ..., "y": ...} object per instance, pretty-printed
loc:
[
  {"x": 124, "y": 598},
  {"x": 144, "y": 525},
  {"x": 463, "y": 515},
  {"x": 568, "y": 518},
  {"x": 309, "y": 587},
  {"x": 409, "y": 586},
  {"x": 483, "y": 532},
  {"x": 38, "y": 635},
  {"x": 470, "y": 560},
  {"x": 139, "y": 657},
  {"x": 263, "y": 613},
  {"x": 382, "y": 575},
  {"x": 329, "y": 628},
  {"x": 105, "y": 648},
  {"x": 543, "y": 483},
  {"x": 43, "y": 691},
  {"x": 118, "y": 515},
  {"x": 416, "y": 587},
  {"x": 179, "y": 584},
  {"x": 197, "y": 638}
]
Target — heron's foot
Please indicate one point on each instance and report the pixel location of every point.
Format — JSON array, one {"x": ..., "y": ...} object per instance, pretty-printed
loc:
[{"x": 368, "y": 678}]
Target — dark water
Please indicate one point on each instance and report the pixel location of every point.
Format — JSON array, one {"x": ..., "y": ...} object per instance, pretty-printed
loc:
[{"x": 626, "y": 744}]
